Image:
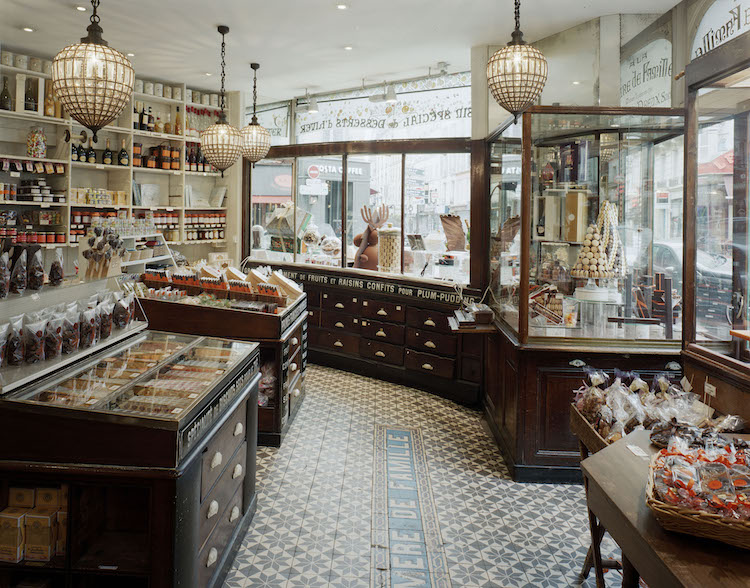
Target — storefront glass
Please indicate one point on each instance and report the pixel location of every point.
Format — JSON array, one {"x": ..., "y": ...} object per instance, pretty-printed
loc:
[{"x": 272, "y": 210}]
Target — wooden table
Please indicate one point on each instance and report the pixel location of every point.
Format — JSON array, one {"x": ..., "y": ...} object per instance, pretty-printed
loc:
[{"x": 616, "y": 479}]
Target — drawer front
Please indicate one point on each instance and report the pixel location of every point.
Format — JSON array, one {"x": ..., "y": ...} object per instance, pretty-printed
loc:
[
  {"x": 313, "y": 317},
  {"x": 315, "y": 337},
  {"x": 341, "y": 303},
  {"x": 379, "y": 351},
  {"x": 293, "y": 369},
  {"x": 218, "y": 499},
  {"x": 293, "y": 343},
  {"x": 313, "y": 298},
  {"x": 431, "y": 341},
  {"x": 383, "y": 331},
  {"x": 296, "y": 393},
  {"x": 340, "y": 342},
  {"x": 383, "y": 311},
  {"x": 339, "y": 322},
  {"x": 472, "y": 345},
  {"x": 208, "y": 559},
  {"x": 471, "y": 369},
  {"x": 429, "y": 364},
  {"x": 427, "y": 319},
  {"x": 222, "y": 447}
]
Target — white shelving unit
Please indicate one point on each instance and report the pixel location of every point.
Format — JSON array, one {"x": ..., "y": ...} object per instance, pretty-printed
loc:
[
  {"x": 139, "y": 265},
  {"x": 15, "y": 125}
]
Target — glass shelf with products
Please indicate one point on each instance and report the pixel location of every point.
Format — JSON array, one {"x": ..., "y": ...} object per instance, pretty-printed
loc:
[{"x": 575, "y": 235}]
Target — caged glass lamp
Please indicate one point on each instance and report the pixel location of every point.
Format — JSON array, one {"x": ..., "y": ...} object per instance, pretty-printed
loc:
[
  {"x": 256, "y": 140},
  {"x": 516, "y": 74},
  {"x": 221, "y": 142},
  {"x": 92, "y": 81}
]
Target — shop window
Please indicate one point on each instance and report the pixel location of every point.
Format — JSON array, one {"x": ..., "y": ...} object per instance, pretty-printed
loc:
[
  {"x": 373, "y": 190},
  {"x": 275, "y": 119},
  {"x": 436, "y": 216},
  {"x": 272, "y": 211}
]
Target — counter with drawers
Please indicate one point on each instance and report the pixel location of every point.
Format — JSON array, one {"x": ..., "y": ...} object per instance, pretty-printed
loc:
[
  {"x": 143, "y": 455},
  {"x": 391, "y": 329}
]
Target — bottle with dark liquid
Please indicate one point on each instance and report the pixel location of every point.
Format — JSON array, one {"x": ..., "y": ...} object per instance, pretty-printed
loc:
[
  {"x": 73, "y": 152},
  {"x": 143, "y": 118},
  {"x": 107, "y": 158},
  {"x": 151, "y": 121},
  {"x": 82, "y": 155},
  {"x": 193, "y": 161},
  {"x": 29, "y": 96},
  {"x": 5, "y": 102},
  {"x": 91, "y": 155},
  {"x": 136, "y": 117},
  {"x": 199, "y": 160},
  {"x": 123, "y": 158}
]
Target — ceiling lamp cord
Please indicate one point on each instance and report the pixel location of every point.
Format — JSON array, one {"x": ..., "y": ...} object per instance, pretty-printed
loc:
[
  {"x": 255, "y": 92},
  {"x": 222, "y": 103}
]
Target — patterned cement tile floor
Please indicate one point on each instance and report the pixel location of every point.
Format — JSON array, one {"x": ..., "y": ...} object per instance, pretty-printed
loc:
[{"x": 314, "y": 525}]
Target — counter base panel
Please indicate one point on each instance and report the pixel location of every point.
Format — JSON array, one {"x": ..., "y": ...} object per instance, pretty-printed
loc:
[{"x": 272, "y": 439}]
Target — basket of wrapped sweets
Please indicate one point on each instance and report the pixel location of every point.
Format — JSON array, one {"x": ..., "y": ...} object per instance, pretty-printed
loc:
[{"x": 702, "y": 491}]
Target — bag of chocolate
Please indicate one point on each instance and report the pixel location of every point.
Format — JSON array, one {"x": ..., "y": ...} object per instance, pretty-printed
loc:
[
  {"x": 19, "y": 276},
  {"x": 121, "y": 313},
  {"x": 15, "y": 351},
  {"x": 3, "y": 342},
  {"x": 56, "y": 271},
  {"x": 71, "y": 331},
  {"x": 4, "y": 275},
  {"x": 34, "y": 335},
  {"x": 104, "y": 311},
  {"x": 53, "y": 337},
  {"x": 36, "y": 271}
]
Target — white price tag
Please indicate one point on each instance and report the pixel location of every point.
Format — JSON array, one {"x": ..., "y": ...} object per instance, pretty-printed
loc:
[
  {"x": 709, "y": 389},
  {"x": 192, "y": 396},
  {"x": 99, "y": 166},
  {"x": 45, "y": 205},
  {"x": 686, "y": 385},
  {"x": 35, "y": 297},
  {"x": 91, "y": 401},
  {"x": 176, "y": 410},
  {"x": 176, "y": 173},
  {"x": 15, "y": 174},
  {"x": 637, "y": 451},
  {"x": 150, "y": 365}
]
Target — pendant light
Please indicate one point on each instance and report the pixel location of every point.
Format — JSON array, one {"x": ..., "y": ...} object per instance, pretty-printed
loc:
[
  {"x": 256, "y": 140},
  {"x": 91, "y": 80},
  {"x": 221, "y": 142},
  {"x": 516, "y": 74}
]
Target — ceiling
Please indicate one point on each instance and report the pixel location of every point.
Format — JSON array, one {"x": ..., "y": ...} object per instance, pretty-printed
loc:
[{"x": 299, "y": 43}]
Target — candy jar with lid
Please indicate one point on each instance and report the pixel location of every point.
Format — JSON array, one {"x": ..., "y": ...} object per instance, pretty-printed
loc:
[{"x": 36, "y": 143}]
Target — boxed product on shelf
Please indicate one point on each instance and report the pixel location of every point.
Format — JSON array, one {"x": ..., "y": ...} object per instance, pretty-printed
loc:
[
  {"x": 12, "y": 534},
  {"x": 41, "y": 533},
  {"x": 22, "y": 497}
]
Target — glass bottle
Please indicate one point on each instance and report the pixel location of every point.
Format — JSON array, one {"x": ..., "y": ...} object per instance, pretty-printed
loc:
[
  {"x": 136, "y": 117},
  {"x": 91, "y": 154},
  {"x": 73, "y": 152},
  {"x": 82, "y": 155},
  {"x": 200, "y": 160},
  {"x": 168, "y": 124},
  {"x": 29, "y": 97},
  {"x": 158, "y": 125},
  {"x": 36, "y": 143},
  {"x": 151, "y": 120},
  {"x": 143, "y": 118},
  {"x": 107, "y": 157},
  {"x": 177, "y": 123},
  {"x": 123, "y": 157},
  {"x": 5, "y": 101},
  {"x": 193, "y": 161}
]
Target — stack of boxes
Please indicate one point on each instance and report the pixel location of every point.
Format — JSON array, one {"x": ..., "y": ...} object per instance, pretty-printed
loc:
[{"x": 34, "y": 525}]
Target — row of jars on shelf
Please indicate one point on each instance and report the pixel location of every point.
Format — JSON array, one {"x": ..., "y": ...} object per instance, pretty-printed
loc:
[
  {"x": 203, "y": 234},
  {"x": 20, "y": 237},
  {"x": 206, "y": 218}
]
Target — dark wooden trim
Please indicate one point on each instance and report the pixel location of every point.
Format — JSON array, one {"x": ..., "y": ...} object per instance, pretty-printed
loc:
[
  {"x": 450, "y": 145},
  {"x": 739, "y": 226},
  {"x": 733, "y": 368},
  {"x": 690, "y": 184},
  {"x": 403, "y": 211},
  {"x": 729, "y": 58},
  {"x": 246, "y": 211},
  {"x": 523, "y": 302},
  {"x": 479, "y": 269},
  {"x": 344, "y": 215}
]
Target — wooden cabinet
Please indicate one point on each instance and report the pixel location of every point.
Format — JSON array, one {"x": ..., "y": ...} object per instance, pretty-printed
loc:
[
  {"x": 381, "y": 352},
  {"x": 339, "y": 321},
  {"x": 380, "y": 331},
  {"x": 433, "y": 365},
  {"x": 428, "y": 319},
  {"x": 340, "y": 302},
  {"x": 382, "y": 310},
  {"x": 431, "y": 341}
]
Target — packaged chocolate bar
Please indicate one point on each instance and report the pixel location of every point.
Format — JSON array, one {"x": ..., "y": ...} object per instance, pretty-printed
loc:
[
  {"x": 56, "y": 272},
  {"x": 71, "y": 333},
  {"x": 53, "y": 337},
  {"x": 88, "y": 328},
  {"x": 3, "y": 342},
  {"x": 104, "y": 311}
]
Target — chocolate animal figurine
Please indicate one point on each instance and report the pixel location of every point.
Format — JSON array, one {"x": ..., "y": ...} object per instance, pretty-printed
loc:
[{"x": 367, "y": 241}]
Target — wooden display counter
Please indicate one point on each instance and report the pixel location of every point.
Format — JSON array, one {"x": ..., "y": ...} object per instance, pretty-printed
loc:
[
  {"x": 391, "y": 329},
  {"x": 528, "y": 390},
  {"x": 283, "y": 342}
]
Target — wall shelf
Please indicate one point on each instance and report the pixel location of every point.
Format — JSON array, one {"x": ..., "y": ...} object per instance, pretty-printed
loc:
[
  {"x": 143, "y": 97},
  {"x": 38, "y": 118},
  {"x": 27, "y": 158}
]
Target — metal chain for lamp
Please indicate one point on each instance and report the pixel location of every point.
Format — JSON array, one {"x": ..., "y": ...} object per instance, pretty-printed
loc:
[
  {"x": 518, "y": 14},
  {"x": 255, "y": 92},
  {"x": 223, "y": 65}
]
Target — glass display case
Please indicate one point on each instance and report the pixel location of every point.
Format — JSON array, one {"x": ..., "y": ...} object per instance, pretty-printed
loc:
[
  {"x": 585, "y": 203},
  {"x": 716, "y": 179}
]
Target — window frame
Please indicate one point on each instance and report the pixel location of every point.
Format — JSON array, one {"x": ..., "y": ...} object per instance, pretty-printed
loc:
[{"x": 479, "y": 188}]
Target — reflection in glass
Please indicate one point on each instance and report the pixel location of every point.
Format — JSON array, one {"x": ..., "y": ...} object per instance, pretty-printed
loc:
[{"x": 272, "y": 211}]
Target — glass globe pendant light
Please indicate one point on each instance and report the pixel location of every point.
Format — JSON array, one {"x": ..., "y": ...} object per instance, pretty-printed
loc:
[
  {"x": 516, "y": 74},
  {"x": 221, "y": 142},
  {"x": 92, "y": 81},
  {"x": 256, "y": 140}
]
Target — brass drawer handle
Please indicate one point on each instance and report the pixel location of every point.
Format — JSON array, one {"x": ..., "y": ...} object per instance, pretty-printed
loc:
[
  {"x": 216, "y": 461},
  {"x": 238, "y": 430},
  {"x": 429, "y": 322},
  {"x": 429, "y": 344},
  {"x": 234, "y": 515},
  {"x": 237, "y": 472},
  {"x": 213, "y": 509},
  {"x": 338, "y": 305},
  {"x": 381, "y": 333},
  {"x": 427, "y": 366},
  {"x": 295, "y": 340},
  {"x": 338, "y": 343},
  {"x": 213, "y": 555},
  {"x": 382, "y": 312},
  {"x": 309, "y": 313},
  {"x": 339, "y": 325},
  {"x": 380, "y": 354}
]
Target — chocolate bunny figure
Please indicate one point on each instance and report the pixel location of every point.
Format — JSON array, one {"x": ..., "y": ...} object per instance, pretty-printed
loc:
[{"x": 367, "y": 241}]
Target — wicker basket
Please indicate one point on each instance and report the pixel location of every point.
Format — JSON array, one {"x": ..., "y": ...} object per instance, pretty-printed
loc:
[{"x": 695, "y": 522}]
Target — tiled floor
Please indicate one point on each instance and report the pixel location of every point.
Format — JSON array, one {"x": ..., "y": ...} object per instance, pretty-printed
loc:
[{"x": 314, "y": 526}]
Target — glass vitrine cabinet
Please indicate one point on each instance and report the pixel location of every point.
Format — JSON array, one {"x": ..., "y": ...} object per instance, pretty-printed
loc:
[
  {"x": 716, "y": 168},
  {"x": 586, "y": 224}
]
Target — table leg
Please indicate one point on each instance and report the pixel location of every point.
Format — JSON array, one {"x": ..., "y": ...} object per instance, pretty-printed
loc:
[
  {"x": 630, "y": 576},
  {"x": 594, "y": 555}
]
